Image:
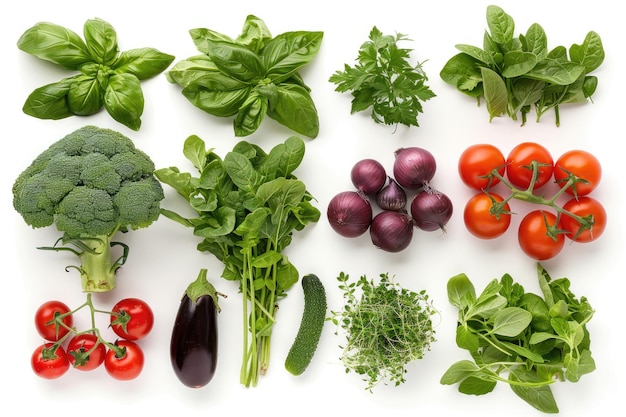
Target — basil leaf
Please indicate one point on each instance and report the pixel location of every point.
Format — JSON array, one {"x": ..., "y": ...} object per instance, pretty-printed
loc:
[
  {"x": 295, "y": 109},
  {"x": 287, "y": 52},
  {"x": 191, "y": 69},
  {"x": 85, "y": 95},
  {"x": 56, "y": 44},
  {"x": 49, "y": 101},
  {"x": 101, "y": 41},
  {"x": 237, "y": 61},
  {"x": 250, "y": 115},
  {"x": 254, "y": 35},
  {"x": 143, "y": 63},
  {"x": 204, "y": 39},
  {"x": 123, "y": 99},
  {"x": 209, "y": 94}
]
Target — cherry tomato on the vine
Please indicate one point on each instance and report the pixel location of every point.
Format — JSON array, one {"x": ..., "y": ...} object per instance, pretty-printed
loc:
[
  {"x": 518, "y": 165},
  {"x": 83, "y": 353},
  {"x": 479, "y": 220},
  {"x": 48, "y": 362},
  {"x": 480, "y": 160},
  {"x": 133, "y": 319},
  {"x": 584, "y": 207},
  {"x": 581, "y": 164},
  {"x": 128, "y": 364},
  {"x": 44, "y": 316},
  {"x": 534, "y": 238}
]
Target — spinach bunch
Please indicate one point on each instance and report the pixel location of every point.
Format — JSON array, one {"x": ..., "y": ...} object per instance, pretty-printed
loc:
[
  {"x": 520, "y": 338},
  {"x": 251, "y": 76},
  {"x": 107, "y": 78},
  {"x": 248, "y": 206},
  {"x": 515, "y": 74}
]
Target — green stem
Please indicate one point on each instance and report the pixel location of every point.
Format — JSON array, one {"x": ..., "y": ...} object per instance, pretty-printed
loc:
[{"x": 529, "y": 196}]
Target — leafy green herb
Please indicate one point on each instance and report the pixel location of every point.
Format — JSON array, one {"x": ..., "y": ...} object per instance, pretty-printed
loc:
[
  {"x": 107, "y": 78},
  {"x": 386, "y": 327},
  {"x": 520, "y": 338},
  {"x": 251, "y": 76},
  {"x": 248, "y": 206},
  {"x": 516, "y": 74},
  {"x": 385, "y": 81}
]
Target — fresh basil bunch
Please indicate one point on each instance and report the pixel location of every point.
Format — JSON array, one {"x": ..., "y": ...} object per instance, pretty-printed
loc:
[
  {"x": 106, "y": 77},
  {"x": 251, "y": 76},
  {"x": 516, "y": 73}
]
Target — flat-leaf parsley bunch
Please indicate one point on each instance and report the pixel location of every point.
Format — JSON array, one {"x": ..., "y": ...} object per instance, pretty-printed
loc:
[
  {"x": 386, "y": 326},
  {"x": 385, "y": 81}
]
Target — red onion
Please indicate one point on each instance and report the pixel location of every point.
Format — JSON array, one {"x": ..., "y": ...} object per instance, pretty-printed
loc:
[
  {"x": 392, "y": 197},
  {"x": 414, "y": 167},
  {"x": 391, "y": 231},
  {"x": 431, "y": 210},
  {"x": 368, "y": 176},
  {"x": 349, "y": 213}
]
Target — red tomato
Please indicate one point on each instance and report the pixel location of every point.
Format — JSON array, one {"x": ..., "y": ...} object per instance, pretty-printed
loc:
[
  {"x": 85, "y": 352},
  {"x": 581, "y": 164},
  {"x": 480, "y": 160},
  {"x": 519, "y": 169},
  {"x": 132, "y": 319},
  {"x": 48, "y": 362},
  {"x": 128, "y": 364},
  {"x": 584, "y": 207},
  {"x": 479, "y": 220},
  {"x": 45, "y": 324},
  {"x": 533, "y": 235}
]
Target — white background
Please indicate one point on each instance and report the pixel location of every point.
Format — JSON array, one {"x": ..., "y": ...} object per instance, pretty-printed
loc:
[{"x": 163, "y": 258}]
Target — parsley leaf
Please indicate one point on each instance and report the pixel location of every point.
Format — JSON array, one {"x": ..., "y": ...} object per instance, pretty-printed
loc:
[{"x": 384, "y": 80}]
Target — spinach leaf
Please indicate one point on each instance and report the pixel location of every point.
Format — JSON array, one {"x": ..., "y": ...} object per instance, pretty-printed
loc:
[{"x": 106, "y": 78}]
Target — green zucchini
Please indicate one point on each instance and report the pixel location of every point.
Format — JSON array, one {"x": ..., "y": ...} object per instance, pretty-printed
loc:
[{"x": 310, "y": 331}]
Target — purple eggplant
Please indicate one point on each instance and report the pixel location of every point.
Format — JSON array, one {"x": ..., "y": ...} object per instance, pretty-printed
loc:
[{"x": 194, "y": 343}]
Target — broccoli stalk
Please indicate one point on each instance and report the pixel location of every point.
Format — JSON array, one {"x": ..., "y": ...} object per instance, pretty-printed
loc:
[
  {"x": 91, "y": 185},
  {"x": 97, "y": 267}
]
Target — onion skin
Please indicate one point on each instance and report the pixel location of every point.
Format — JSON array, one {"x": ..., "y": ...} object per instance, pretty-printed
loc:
[
  {"x": 349, "y": 213},
  {"x": 392, "y": 197},
  {"x": 414, "y": 167},
  {"x": 391, "y": 231},
  {"x": 368, "y": 176},
  {"x": 431, "y": 210}
]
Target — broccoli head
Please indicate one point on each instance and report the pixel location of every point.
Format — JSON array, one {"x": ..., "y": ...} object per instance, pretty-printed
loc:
[{"x": 90, "y": 184}]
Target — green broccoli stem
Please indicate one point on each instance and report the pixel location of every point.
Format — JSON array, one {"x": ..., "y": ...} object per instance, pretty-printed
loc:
[{"x": 97, "y": 267}]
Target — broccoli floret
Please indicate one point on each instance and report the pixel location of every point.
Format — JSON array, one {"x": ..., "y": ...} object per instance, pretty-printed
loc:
[{"x": 91, "y": 184}]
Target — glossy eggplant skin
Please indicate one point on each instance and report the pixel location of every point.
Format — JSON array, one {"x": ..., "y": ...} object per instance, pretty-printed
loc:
[{"x": 193, "y": 347}]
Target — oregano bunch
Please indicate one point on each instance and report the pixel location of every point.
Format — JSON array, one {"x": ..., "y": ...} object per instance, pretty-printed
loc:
[
  {"x": 106, "y": 78},
  {"x": 385, "y": 81},
  {"x": 515, "y": 74}
]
